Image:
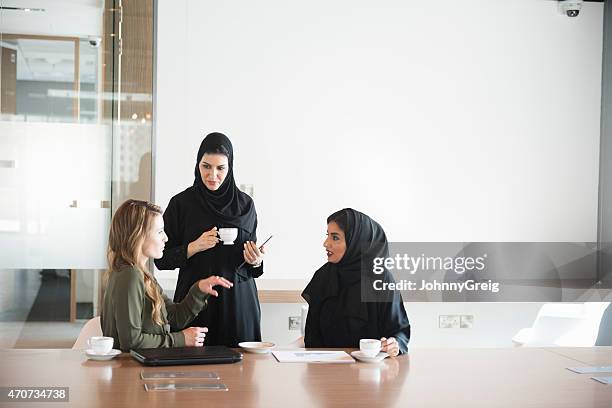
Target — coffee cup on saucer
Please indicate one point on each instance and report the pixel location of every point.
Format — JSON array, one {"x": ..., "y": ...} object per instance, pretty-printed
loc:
[
  {"x": 100, "y": 344},
  {"x": 228, "y": 235},
  {"x": 370, "y": 347}
]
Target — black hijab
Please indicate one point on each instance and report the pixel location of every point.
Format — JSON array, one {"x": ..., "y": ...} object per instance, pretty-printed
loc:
[
  {"x": 365, "y": 240},
  {"x": 227, "y": 204}
]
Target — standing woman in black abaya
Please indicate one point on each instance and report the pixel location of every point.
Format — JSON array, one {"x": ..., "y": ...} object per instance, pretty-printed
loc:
[{"x": 192, "y": 219}]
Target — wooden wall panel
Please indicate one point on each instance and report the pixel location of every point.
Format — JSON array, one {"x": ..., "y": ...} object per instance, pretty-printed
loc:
[
  {"x": 8, "y": 81},
  {"x": 136, "y": 47}
]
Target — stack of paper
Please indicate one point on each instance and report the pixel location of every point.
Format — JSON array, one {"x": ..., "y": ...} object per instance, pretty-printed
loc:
[
  {"x": 594, "y": 370},
  {"x": 312, "y": 356}
]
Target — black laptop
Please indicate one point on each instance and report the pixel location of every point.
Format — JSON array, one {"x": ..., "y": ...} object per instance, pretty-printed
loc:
[{"x": 186, "y": 355}]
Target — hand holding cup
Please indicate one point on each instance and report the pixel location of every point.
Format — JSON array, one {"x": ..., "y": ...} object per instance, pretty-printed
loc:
[
  {"x": 390, "y": 346},
  {"x": 205, "y": 241}
]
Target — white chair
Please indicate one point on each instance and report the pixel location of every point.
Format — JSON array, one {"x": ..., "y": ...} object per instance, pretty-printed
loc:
[
  {"x": 564, "y": 325},
  {"x": 90, "y": 329}
]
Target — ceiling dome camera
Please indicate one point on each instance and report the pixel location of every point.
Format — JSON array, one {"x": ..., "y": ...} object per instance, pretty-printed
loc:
[
  {"x": 571, "y": 8},
  {"x": 94, "y": 41}
]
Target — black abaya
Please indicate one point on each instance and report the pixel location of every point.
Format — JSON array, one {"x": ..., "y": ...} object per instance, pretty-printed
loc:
[
  {"x": 337, "y": 317},
  {"x": 235, "y": 315}
]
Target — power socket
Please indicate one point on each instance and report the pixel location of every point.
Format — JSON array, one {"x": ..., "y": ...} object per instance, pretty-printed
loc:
[
  {"x": 449, "y": 321},
  {"x": 455, "y": 321},
  {"x": 295, "y": 322},
  {"x": 467, "y": 321}
]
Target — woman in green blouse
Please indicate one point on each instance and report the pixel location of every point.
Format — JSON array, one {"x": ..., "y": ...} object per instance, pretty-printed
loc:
[{"x": 135, "y": 312}]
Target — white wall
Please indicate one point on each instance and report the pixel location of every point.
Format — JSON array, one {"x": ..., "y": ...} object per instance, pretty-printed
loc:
[
  {"x": 445, "y": 121},
  {"x": 494, "y": 323}
]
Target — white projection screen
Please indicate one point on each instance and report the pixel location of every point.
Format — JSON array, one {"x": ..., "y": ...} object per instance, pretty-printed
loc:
[{"x": 461, "y": 121}]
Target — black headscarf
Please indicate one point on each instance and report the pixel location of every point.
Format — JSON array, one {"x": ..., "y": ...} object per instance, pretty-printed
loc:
[
  {"x": 228, "y": 204},
  {"x": 365, "y": 240}
]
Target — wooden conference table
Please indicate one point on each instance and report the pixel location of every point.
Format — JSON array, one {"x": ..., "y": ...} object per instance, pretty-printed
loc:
[{"x": 518, "y": 377}]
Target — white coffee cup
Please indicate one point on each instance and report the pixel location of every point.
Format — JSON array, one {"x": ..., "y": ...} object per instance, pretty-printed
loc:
[
  {"x": 100, "y": 344},
  {"x": 370, "y": 347},
  {"x": 228, "y": 235}
]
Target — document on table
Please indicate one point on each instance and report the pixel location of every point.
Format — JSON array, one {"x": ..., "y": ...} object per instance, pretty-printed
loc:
[
  {"x": 312, "y": 356},
  {"x": 603, "y": 380},
  {"x": 590, "y": 370}
]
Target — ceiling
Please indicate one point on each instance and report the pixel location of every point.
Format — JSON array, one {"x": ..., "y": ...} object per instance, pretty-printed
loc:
[
  {"x": 69, "y": 18},
  {"x": 51, "y": 60}
]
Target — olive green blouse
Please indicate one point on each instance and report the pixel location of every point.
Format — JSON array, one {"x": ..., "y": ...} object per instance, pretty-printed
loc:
[{"x": 126, "y": 313}]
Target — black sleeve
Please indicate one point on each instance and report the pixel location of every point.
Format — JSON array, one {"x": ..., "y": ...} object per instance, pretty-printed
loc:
[
  {"x": 393, "y": 321},
  {"x": 311, "y": 294},
  {"x": 247, "y": 271},
  {"x": 312, "y": 332},
  {"x": 175, "y": 254}
]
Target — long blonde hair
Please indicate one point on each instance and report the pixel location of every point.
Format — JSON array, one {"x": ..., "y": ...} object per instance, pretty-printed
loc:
[{"x": 128, "y": 230}]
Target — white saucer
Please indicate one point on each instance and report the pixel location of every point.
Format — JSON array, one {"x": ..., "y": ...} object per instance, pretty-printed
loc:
[
  {"x": 92, "y": 355},
  {"x": 367, "y": 359},
  {"x": 258, "y": 347}
]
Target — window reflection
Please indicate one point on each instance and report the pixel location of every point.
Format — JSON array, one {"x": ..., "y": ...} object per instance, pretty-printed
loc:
[{"x": 69, "y": 152}]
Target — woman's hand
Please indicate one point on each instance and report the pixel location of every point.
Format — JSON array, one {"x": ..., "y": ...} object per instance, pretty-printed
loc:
[
  {"x": 390, "y": 346},
  {"x": 194, "y": 336},
  {"x": 252, "y": 254},
  {"x": 206, "y": 285},
  {"x": 206, "y": 241}
]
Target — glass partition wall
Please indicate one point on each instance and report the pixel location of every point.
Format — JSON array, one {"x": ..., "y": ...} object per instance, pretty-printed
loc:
[{"x": 75, "y": 142}]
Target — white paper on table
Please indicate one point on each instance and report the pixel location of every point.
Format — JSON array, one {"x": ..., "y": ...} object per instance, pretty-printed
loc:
[
  {"x": 603, "y": 380},
  {"x": 590, "y": 370},
  {"x": 312, "y": 356}
]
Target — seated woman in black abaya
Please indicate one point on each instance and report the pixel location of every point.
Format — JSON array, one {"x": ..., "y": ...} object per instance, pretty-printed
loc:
[{"x": 337, "y": 317}]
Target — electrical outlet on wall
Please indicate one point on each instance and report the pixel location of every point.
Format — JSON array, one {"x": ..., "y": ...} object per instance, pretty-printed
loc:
[
  {"x": 467, "y": 321},
  {"x": 295, "y": 322},
  {"x": 455, "y": 321},
  {"x": 449, "y": 321}
]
